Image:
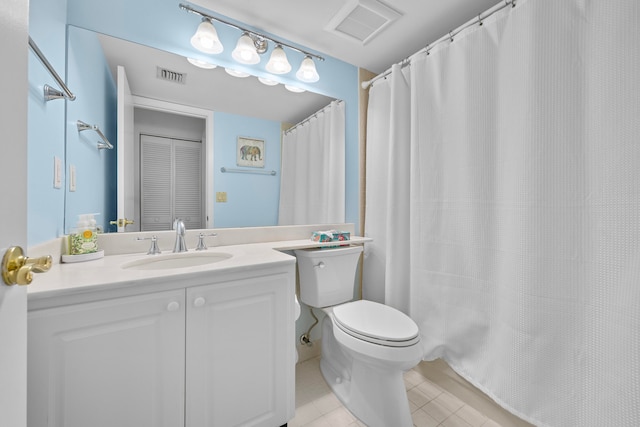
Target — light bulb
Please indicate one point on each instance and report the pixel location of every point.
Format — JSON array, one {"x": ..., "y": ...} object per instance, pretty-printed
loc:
[
  {"x": 267, "y": 82},
  {"x": 294, "y": 89},
  {"x": 307, "y": 71},
  {"x": 206, "y": 38},
  {"x": 245, "y": 51},
  {"x": 201, "y": 64},
  {"x": 236, "y": 73},
  {"x": 278, "y": 63}
]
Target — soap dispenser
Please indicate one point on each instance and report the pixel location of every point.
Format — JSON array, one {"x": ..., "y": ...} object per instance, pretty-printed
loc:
[{"x": 83, "y": 239}]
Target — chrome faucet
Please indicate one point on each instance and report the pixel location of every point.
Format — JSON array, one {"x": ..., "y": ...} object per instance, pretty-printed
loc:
[{"x": 180, "y": 245}]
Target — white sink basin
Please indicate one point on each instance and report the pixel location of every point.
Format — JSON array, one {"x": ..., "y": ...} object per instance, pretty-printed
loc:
[{"x": 183, "y": 260}]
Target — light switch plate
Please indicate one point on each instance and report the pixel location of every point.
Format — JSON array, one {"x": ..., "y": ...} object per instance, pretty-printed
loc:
[
  {"x": 72, "y": 178},
  {"x": 57, "y": 172},
  {"x": 221, "y": 197}
]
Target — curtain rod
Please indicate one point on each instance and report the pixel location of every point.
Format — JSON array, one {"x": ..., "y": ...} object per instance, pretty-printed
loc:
[
  {"x": 449, "y": 36},
  {"x": 320, "y": 111}
]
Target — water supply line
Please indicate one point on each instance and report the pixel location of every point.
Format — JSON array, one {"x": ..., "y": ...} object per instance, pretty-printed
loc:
[{"x": 306, "y": 337}]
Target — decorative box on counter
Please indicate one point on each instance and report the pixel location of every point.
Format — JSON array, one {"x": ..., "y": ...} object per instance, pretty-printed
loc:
[{"x": 330, "y": 236}]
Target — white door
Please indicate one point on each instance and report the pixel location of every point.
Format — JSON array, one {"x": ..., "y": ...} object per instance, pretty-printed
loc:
[
  {"x": 126, "y": 193},
  {"x": 117, "y": 362},
  {"x": 13, "y": 215},
  {"x": 170, "y": 183}
]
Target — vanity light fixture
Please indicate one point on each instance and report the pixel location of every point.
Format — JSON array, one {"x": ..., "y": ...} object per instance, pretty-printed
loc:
[
  {"x": 307, "y": 71},
  {"x": 250, "y": 46},
  {"x": 201, "y": 64},
  {"x": 278, "y": 63},
  {"x": 206, "y": 38}
]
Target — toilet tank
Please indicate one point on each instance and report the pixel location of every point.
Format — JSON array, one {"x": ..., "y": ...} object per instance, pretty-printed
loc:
[{"x": 327, "y": 276}]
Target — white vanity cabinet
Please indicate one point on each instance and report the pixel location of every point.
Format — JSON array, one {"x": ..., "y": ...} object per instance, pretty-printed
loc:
[{"x": 215, "y": 353}]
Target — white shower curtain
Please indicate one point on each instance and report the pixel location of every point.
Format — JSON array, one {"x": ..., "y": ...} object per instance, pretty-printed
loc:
[
  {"x": 524, "y": 207},
  {"x": 312, "y": 184},
  {"x": 387, "y": 189}
]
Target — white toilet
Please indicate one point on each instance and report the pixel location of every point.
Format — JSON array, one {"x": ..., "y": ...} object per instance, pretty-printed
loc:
[
  {"x": 296, "y": 315},
  {"x": 366, "y": 346}
]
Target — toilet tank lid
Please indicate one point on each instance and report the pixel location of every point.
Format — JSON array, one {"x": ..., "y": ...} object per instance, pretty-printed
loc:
[
  {"x": 376, "y": 320},
  {"x": 327, "y": 252}
]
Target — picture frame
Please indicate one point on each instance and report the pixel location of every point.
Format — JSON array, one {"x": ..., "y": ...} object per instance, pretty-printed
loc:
[{"x": 250, "y": 152}]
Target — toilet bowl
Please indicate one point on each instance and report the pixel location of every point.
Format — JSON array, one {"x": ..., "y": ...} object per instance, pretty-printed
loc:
[{"x": 366, "y": 346}]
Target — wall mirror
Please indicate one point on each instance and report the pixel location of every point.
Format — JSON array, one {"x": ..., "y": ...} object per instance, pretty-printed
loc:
[{"x": 175, "y": 100}]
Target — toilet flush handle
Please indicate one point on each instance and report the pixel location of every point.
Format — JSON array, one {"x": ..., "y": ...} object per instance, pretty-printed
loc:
[{"x": 320, "y": 265}]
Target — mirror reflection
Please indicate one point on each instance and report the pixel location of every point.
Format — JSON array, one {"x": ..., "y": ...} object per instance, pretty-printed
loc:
[{"x": 185, "y": 124}]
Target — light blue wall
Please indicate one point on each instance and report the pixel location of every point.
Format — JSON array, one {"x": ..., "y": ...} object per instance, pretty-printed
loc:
[
  {"x": 159, "y": 24},
  {"x": 252, "y": 200},
  {"x": 93, "y": 84},
  {"x": 46, "y": 133},
  {"x": 54, "y": 122}
]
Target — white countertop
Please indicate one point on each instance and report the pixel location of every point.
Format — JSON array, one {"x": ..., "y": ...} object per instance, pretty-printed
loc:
[{"x": 77, "y": 280}]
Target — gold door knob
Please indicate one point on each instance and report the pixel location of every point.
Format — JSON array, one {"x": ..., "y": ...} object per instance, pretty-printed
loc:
[
  {"x": 122, "y": 222},
  {"x": 18, "y": 269}
]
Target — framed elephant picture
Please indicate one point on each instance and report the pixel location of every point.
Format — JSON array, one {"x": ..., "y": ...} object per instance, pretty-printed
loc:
[{"x": 250, "y": 152}]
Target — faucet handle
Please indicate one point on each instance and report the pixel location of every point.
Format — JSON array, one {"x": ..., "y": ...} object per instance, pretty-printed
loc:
[
  {"x": 153, "y": 249},
  {"x": 201, "y": 245}
]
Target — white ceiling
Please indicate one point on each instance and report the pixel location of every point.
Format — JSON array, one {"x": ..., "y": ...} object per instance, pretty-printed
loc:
[{"x": 303, "y": 22}]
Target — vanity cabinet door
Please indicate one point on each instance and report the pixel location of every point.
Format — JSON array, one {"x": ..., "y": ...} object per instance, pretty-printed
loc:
[
  {"x": 240, "y": 352},
  {"x": 117, "y": 362}
]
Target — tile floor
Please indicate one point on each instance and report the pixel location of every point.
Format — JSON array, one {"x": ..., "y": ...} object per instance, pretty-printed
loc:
[{"x": 431, "y": 406}]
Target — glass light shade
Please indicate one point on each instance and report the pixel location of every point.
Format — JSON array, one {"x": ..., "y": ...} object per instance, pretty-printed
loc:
[
  {"x": 294, "y": 89},
  {"x": 307, "y": 71},
  {"x": 201, "y": 64},
  {"x": 206, "y": 38},
  {"x": 267, "y": 81},
  {"x": 278, "y": 63},
  {"x": 236, "y": 73},
  {"x": 245, "y": 51}
]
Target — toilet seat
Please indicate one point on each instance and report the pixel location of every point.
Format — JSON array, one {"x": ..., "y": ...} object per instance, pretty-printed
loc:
[{"x": 376, "y": 323}]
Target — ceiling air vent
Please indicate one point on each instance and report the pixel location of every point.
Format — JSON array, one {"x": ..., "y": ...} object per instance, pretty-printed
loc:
[
  {"x": 171, "y": 76},
  {"x": 362, "y": 20}
]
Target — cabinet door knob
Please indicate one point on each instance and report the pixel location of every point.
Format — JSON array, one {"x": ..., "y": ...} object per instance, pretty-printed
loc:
[
  {"x": 198, "y": 302},
  {"x": 173, "y": 306}
]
